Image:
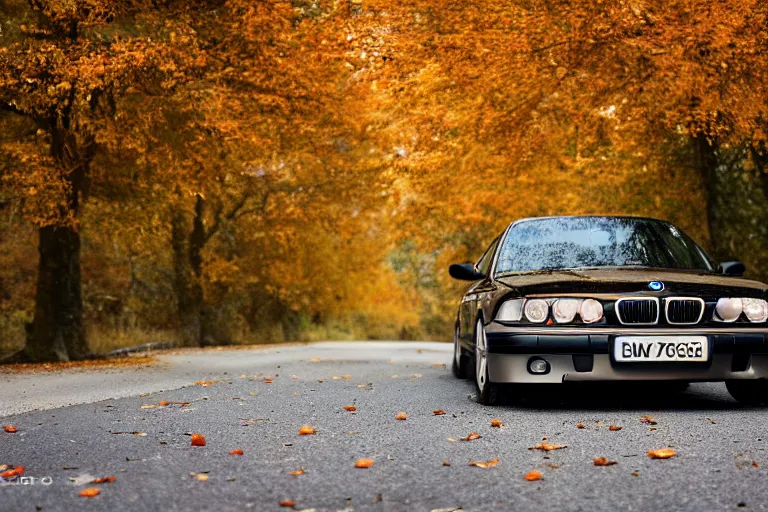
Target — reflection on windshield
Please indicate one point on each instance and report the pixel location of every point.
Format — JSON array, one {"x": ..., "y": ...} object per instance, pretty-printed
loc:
[{"x": 578, "y": 242}]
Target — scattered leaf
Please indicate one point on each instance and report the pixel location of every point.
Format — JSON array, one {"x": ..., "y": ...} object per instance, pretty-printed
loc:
[
  {"x": 652, "y": 429},
  {"x": 446, "y": 463},
  {"x": 267, "y": 381},
  {"x": 306, "y": 431},
  {"x": 614, "y": 428},
  {"x": 287, "y": 503},
  {"x": 198, "y": 440},
  {"x": 664, "y": 453},
  {"x": 346, "y": 377},
  {"x": 364, "y": 463},
  {"x": 11, "y": 429},
  {"x": 602, "y": 461},
  {"x": 579, "y": 425},
  {"x": 755, "y": 464},
  {"x": 361, "y": 386},
  {"x": 103, "y": 480},
  {"x": 350, "y": 408},
  {"x": 635, "y": 473},
  {"x": 553, "y": 466},
  {"x": 90, "y": 492},
  {"x": 236, "y": 452},
  {"x": 203, "y": 477},
  {"x": 711, "y": 421},
  {"x": 496, "y": 423},
  {"x": 394, "y": 376},
  {"x": 547, "y": 447},
  {"x": 532, "y": 476},
  {"x": 471, "y": 437},
  {"x": 12, "y": 473},
  {"x": 438, "y": 412},
  {"x": 489, "y": 464},
  {"x": 451, "y": 440},
  {"x": 315, "y": 359},
  {"x": 298, "y": 472},
  {"x": 335, "y": 377},
  {"x": 401, "y": 416},
  {"x": 204, "y": 383},
  {"x": 294, "y": 377},
  {"x": 648, "y": 420}
]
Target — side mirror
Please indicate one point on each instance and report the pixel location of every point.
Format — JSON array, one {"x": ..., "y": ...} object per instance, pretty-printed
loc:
[
  {"x": 465, "y": 272},
  {"x": 732, "y": 268}
]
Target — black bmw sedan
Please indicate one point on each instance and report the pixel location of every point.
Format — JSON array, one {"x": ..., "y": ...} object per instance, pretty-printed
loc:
[{"x": 596, "y": 298}]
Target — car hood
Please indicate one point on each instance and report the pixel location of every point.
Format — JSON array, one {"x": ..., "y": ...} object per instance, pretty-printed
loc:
[{"x": 626, "y": 281}]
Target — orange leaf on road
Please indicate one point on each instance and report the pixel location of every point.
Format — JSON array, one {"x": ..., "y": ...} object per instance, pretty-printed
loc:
[
  {"x": 602, "y": 461},
  {"x": 664, "y": 453},
  {"x": 446, "y": 463},
  {"x": 648, "y": 420},
  {"x": 236, "y": 452},
  {"x": 350, "y": 408},
  {"x": 579, "y": 425},
  {"x": 496, "y": 423},
  {"x": 401, "y": 416},
  {"x": 438, "y": 412},
  {"x": 614, "y": 428},
  {"x": 471, "y": 437},
  {"x": 533, "y": 476},
  {"x": 11, "y": 429},
  {"x": 103, "y": 480},
  {"x": 90, "y": 492},
  {"x": 287, "y": 503},
  {"x": 11, "y": 473},
  {"x": 298, "y": 472},
  {"x": 364, "y": 463},
  {"x": 547, "y": 447},
  {"x": 198, "y": 440},
  {"x": 489, "y": 464},
  {"x": 267, "y": 381},
  {"x": 306, "y": 431}
]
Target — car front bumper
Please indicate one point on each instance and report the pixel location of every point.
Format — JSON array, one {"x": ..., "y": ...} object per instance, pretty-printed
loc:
[{"x": 585, "y": 354}]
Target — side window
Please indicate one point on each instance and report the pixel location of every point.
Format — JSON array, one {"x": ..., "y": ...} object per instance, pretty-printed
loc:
[{"x": 484, "y": 263}]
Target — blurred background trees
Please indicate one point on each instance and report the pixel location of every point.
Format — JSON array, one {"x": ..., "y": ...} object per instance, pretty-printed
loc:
[{"x": 242, "y": 172}]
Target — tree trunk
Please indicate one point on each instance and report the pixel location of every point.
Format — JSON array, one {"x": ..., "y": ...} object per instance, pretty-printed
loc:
[
  {"x": 57, "y": 332},
  {"x": 189, "y": 292},
  {"x": 737, "y": 206}
]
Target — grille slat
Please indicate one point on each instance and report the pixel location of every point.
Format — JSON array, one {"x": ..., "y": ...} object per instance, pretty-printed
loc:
[
  {"x": 684, "y": 310},
  {"x": 638, "y": 311}
]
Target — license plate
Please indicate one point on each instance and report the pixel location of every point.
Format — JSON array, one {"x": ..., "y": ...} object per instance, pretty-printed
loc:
[{"x": 661, "y": 348}]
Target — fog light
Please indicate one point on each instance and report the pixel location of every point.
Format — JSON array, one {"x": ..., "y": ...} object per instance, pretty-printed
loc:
[{"x": 538, "y": 366}]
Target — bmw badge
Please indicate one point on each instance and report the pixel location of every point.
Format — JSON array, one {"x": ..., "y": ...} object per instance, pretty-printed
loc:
[{"x": 656, "y": 286}]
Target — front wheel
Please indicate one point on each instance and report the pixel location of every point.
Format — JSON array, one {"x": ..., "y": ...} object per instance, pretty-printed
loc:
[
  {"x": 487, "y": 391},
  {"x": 752, "y": 392}
]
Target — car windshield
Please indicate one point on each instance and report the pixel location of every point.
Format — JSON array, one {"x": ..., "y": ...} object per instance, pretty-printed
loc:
[{"x": 583, "y": 242}]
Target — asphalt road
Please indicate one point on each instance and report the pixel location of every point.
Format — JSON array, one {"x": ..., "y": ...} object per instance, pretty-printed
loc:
[{"x": 718, "y": 442}]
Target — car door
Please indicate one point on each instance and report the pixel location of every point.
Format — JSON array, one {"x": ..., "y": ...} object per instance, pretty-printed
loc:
[{"x": 475, "y": 293}]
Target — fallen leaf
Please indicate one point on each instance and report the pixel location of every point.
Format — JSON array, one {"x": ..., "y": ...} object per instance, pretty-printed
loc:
[
  {"x": 350, "y": 408},
  {"x": 755, "y": 464},
  {"x": 579, "y": 425},
  {"x": 446, "y": 463},
  {"x": 652, "y": 429},
  {"x": 163, "y": 403},
  {"x": 400, "y": 416},
  {"x": 140, "y": 434},
  {"x": 451, "y": 440},
  {"x": 294, "y": 377},
  {"x": 602, "y": 461},
  {"x": 306, "y": 431},
  {"x": 614, "y": 428},
  {"x": 711, "y": 421},
  {"x": 287, "y": 503},
  {"x": 236, "y": 452},
  {"x": 12, "y": 473},
  {"x": 11, "y": 429},
  {"x": 438, "y": 364},
  {"x": 267, "y": 381},
  {"x": 315, "y": 359},
  {"x": 335, "y": 377},
  {"x": 438, "y": 412},
  {"x": 204, "y": 383},
  {"x": 298, "y": 472},
  {"x": 664, "y": 453},
  {"x": 346, "y": 377},
  {"x": 364, "y": 463},
  {"x": 198, "y": 440},
  {"x": 90, "y": 492},
  {"x": 648, "y": 420},
  {"x": 635, "y": 473},
  {"x": 394, "y": 376},
  {"x": 103, "y": 480},
  {"x": 532, "y": 476},
  {"x": 489, "y": 464},
  {"x": 361, "y": 386},
  {"x": 547, "y": 447},
  {"x": 203, "y": 477},
  {"x": 496, "y": 423},
  {"x": 471, "y": 437},
  {"x": 553, "y": 466}
]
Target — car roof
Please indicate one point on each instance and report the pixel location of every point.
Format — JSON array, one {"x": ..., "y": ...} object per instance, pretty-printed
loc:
[{"x": 635, "y": 217}]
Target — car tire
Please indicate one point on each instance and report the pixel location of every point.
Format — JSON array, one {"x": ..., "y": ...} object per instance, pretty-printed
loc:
[
  {"x": 487, "y": 391},
  {"x": 460, "y": 361},
  {"x": 751, "y": 392}
]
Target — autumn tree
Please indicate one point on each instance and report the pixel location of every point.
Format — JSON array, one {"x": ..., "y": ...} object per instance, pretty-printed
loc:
[{"x": 69, "y": 67}]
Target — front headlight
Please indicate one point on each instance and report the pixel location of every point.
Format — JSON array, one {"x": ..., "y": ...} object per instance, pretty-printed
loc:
[
  {"x": 564, "y": 310},
  {"x": 510, "y": 311},
  {"x": 755, "y": 309},
  {"x": 536, "y": 310},
  {"x": 591, "y": 311},
  {"x": 728, "y": 309}
]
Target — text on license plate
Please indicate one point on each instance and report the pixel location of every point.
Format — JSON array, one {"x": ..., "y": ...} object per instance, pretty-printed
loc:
[{"x": 661, "y": 348}]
